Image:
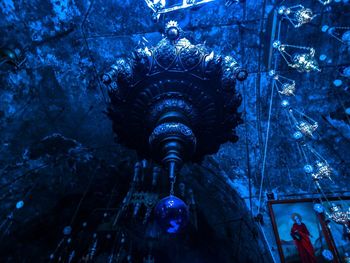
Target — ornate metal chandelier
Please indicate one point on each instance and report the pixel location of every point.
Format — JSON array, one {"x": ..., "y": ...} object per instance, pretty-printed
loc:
[{"x": 176, "y": 101}]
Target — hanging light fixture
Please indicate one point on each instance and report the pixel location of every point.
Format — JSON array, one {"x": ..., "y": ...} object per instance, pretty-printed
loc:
[
  {"x": 298, "y": 57},
  {"x": 173, "y": 103},
  {"x": 285, "y": 86},
  {"x": 322, "y": 171},
  {"x": 297, "y": 15},
  {"x": 339, "y": 216}
]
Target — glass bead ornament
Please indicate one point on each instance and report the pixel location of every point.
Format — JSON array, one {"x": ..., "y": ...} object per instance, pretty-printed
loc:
[
  {"x": 285, "y": 103},
  {"x": 346, "y": 72},
  {"x": 318, "y": 208},
  {"x": 308, "y": 168},
  {"x": 172, "y": 214},
  {"x": 19, "y": 204},
  {"x": 297, "y": 135},
  {"x": 337, "y": 82},
  {"x": 327, "y": 254}
]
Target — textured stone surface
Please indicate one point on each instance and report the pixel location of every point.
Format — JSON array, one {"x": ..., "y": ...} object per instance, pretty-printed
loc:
[{"x": 56, "y": 95}]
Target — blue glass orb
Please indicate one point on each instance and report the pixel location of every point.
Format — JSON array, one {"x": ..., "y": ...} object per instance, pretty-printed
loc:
[
  {"x": 171, "y": 214},
  {"x": 324, "y": 28},
  {"x": 346, "y": 72},
  {"x": 67, "y": 230},
  {"x": 281, "y": 10},
  {"x": 285, "y": 103},
  {"x": 346, "y": 37},
  {"x": 327, "y": 254},
  {"x": 297, "y": 135},
  {"x": 347, "y": 111},
  {"x": 19, "y": 204},
  {"x": 318, "y": 208},
  {"x": 272, "y": 73},
  {"x": 337, "y": 82},
  {"x": 276, "y": 43},
  {"x": 308, "y": 169},
  {"x": 323, "y": 57}
]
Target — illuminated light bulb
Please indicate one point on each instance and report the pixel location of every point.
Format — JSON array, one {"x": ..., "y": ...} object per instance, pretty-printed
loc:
[
  {"x": 272, "y": 73},
  {"x": 285, "y": 103},
  {"x": 337, "y": 82},
  {"x": 347, "y": 111},
  {"x": 19, "y": 204},
  {"x": 297, "y": 135},
  {"x": 308, "y": 168},
  {"x": 318, "y": 208},
  {"x": 307, "y": 128}
]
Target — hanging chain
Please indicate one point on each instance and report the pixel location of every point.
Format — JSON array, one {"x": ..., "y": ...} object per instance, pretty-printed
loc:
[{"x": 172, "y": 184}]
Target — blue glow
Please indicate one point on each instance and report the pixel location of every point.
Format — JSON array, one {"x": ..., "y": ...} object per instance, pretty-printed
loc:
[
  {"x": 337, "y": 82},
  {"x": 318, "y": 208},
  {"x": 308, "y": 168},
  {"x": 297, "y": 135},
  {"x": 324, "y": 28},
  {"x": 171, "y": 214},
  {"x": 19, "y": 204},
  {"x": 346, "y": 72},
  {"x": 346, "y": 37},
  {"x": 276, "y": 43},
  {"x": 174, "y": 227},
  {"x": 285, "y": 103},
  {"x": 67, "y": 230},
  {"x": 323, "y": 57},
  {"x": 347, "y": 111}
]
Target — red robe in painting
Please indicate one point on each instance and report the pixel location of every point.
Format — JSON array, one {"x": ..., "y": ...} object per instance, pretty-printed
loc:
[{"x": 301, "y": 238}]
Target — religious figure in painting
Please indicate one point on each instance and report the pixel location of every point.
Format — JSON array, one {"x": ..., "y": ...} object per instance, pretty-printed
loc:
[{"x": 301, "y": 237}]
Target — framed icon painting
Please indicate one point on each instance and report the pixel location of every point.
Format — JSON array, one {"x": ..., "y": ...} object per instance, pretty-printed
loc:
[{"x": 305, "y": 236}]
